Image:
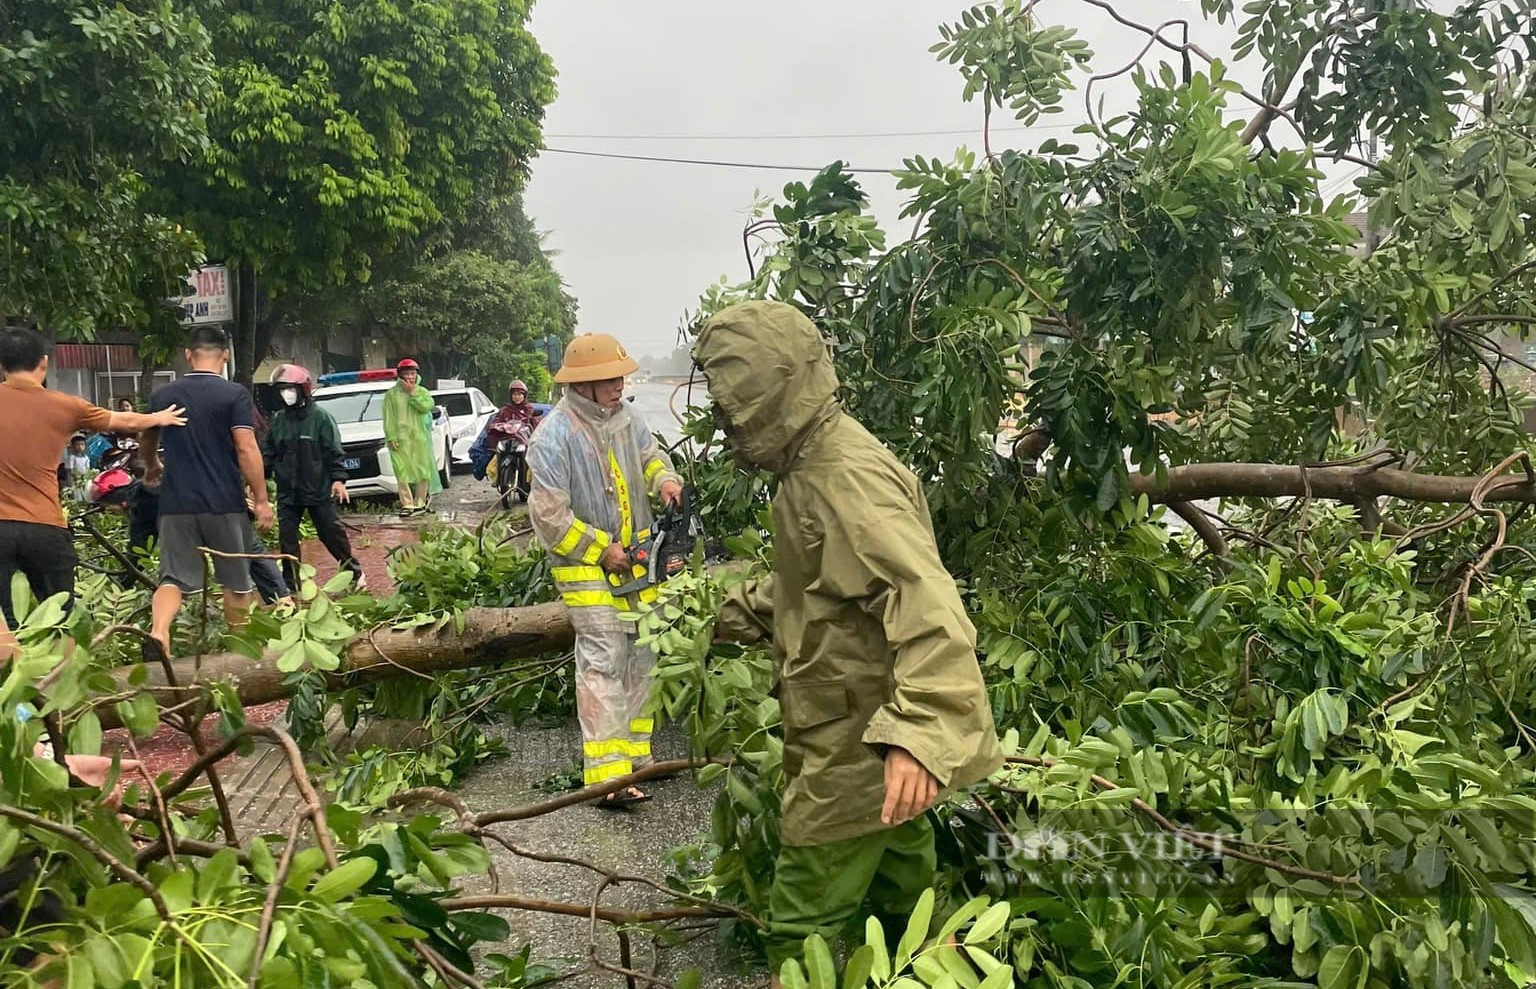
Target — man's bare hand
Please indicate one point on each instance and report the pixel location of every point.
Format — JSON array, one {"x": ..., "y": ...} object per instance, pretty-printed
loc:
[
  {"x": 614, "y": 559},
  {"x": 173, "y": 415},
  {"x": 672, "y": 493},
  {"x": 264, "y": 516},
  {"x": 93, "y": 770},
  {"x": 909, "y": 788},
  {"x": 340, "y": 493}
]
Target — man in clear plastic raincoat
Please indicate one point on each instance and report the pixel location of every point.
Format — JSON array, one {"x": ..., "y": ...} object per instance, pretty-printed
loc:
[
  {"x": 883, "y": 702},
  {"x": 595, "y": 469}
]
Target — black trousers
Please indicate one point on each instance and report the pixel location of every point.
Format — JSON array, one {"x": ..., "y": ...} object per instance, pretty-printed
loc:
[
  {"x": 44, "y": 553},
  {"x": 328, "y": 526}
]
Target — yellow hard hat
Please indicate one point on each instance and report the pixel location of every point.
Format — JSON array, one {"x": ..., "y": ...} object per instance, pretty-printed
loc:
[{"x": 595, "y": 357}]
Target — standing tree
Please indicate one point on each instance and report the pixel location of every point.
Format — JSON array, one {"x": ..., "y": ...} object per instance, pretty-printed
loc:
[
  {"x": 92, "y": 95},
  {"x": 1307, "y": 678},
  {"x": 480, "y": 295},
  {"x": 345, "y": 132}
]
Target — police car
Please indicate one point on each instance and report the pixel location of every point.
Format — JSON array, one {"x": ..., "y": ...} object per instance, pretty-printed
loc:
[{"x": 355, "y": 399}]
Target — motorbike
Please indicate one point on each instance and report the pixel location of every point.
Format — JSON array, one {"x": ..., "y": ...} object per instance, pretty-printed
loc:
[{"x": 513, "y": 476}]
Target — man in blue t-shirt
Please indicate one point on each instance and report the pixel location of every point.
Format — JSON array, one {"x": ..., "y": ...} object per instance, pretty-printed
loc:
[{"x": 208, "y": 464}]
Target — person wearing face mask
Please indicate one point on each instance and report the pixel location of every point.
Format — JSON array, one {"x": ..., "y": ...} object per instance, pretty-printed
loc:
[
  {"x": 595, "y": 468},
  {"x": 303, "y": 452}
]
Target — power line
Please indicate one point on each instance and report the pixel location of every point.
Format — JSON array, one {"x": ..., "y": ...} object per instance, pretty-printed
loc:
[
  {"x": 800, "y": 137},
  {"x": 714, "y": 164}
]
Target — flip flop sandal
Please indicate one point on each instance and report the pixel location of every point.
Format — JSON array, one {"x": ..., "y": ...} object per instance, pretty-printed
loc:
[
  {"x": 152, "y": 652},
  {"x": 621, "y": 800}
]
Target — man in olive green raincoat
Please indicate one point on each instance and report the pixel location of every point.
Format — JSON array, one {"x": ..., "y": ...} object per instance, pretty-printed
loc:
[{"x": 883, "y": 702}]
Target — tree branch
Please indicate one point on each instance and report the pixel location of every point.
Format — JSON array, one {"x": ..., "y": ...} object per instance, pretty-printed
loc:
[
  {"x": 1198, "y": 482},
  {"x": 1202, "y": 525},
  {"x": 1219, "y": 845},
  {"x": 512, "y": 901}
]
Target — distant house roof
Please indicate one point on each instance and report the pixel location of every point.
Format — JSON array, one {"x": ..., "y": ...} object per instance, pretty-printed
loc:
[
  {"x": 96, "y": 356},
  {"x": 1359, "y": 222}
]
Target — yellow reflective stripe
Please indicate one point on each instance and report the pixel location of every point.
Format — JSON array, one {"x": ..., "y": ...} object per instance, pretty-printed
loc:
[
  {"x": 615, "y": 746},
  {"x": 621, "y": 491},
  {"x": 588, "y": 599},
  {"x": 595, "y": 548},
  {"x": 653, "y": 468},
  {"x": 642, "y": 726},
  {"x": 571, "y": 575},
  {"x": 607, "y": 771},
  {"x": 647, "y": 596},
  {"x": 642, "y": 535},
  {"x": 605, "y": 747},
  {"x": 570, "y": 539},
  {"x": 636, "y": 570}
]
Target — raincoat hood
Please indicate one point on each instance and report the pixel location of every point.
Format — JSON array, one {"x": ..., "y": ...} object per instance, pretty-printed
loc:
[{"x": 769, "y": 372}]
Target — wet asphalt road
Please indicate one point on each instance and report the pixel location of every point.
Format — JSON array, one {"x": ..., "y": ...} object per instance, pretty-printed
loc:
[{"x": 633, "y": 841}]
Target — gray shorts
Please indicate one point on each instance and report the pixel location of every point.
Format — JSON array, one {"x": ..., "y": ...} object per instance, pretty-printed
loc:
[{"x": 181, "y": 556}]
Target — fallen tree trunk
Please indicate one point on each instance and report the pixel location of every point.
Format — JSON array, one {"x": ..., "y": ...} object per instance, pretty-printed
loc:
[
  {"x": 495, "y": 635},
  {"x": 1198, "y": 482},
  {"x": 489, "y": 636}
]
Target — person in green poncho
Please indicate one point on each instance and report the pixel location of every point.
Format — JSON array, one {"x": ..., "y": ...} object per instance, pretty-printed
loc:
[
  {"x": 408, "y": 431},
  {"x": 884, "y": 707}
]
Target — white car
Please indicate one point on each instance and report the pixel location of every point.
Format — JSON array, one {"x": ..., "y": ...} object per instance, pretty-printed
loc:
[
  {"x": 469, "y": 410},
  {"x": 355, "y": 399}
]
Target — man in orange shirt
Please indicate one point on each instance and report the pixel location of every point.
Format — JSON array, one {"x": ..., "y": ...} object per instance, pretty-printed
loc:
[{"x": 35, "y": 425}]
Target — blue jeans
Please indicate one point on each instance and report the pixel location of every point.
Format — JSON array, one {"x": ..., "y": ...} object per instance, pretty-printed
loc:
[{"x": 265, "y": 574}]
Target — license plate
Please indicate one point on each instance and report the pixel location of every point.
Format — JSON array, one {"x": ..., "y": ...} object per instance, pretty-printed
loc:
[{"x": 352, "y": 463}]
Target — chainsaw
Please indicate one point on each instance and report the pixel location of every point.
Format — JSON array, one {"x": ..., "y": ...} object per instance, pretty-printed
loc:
[{"x": 667, "y": 552}]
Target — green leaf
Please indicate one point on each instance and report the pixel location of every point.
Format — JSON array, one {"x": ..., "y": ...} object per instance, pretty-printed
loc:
[
  {"x": 217, "y": 874},
  {"x": 917, "y": 929},
  {"x": 860, "y": 966},
  {"x": 263, "y": 867},
  {"x": 85, "y": 735},
  {"x": 106, "y": 961},
  {"x": 1343, "y": 967},
  {"x": 292, "y": 658},
  {"x": 346, "y": 878},
  {"x": 968, "y": 912},
  {"x": 9, "y": 838},
  {"x": 481, "y": 926},
  {"x": 818, "y": 963},
  {"x": 791, "y": 975},
  {"x": 880, "y": 956},
  {"x": 1001, "y": 978},
  {"x": 990, "y": 923}
]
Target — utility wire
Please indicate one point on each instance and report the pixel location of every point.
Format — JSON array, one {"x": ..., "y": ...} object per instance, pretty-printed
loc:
[
  {"x": 715, "y": 164},
  {"x": 799, "y": 137}
]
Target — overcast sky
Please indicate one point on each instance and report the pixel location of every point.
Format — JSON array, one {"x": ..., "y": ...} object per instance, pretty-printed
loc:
[{"x": 639, "y": 242}]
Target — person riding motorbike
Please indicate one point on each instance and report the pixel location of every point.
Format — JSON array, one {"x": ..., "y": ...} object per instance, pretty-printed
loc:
[
  {"x": 518, "y": 416},
  {"x": 514, "y": 424}
]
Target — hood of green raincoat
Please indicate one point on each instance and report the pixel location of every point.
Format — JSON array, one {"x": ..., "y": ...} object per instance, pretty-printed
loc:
[{"x": 771, "y": 376}]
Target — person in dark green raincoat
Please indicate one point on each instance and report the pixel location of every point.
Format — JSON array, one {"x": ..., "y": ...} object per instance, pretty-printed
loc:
[{"x": 884, "y": 707}]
